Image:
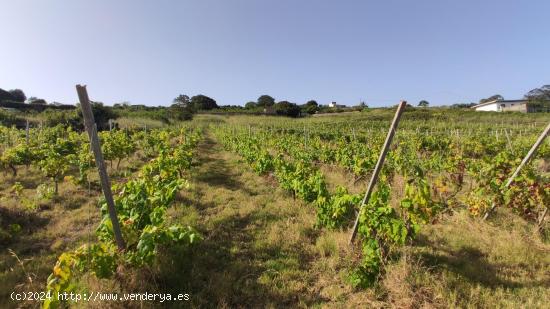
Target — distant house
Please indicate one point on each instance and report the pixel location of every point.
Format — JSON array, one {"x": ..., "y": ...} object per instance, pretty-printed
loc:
[
  {"x": 503, "y": 106},
  {"x": 334, "y": 105}
]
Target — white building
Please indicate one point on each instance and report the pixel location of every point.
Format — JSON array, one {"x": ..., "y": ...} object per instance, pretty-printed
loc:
[
  {"x": 498, "y": 105},
  {"x": 334, "y": 105}
]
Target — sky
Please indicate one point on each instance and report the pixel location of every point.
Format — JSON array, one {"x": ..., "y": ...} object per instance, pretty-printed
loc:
[{"x": 380, "y": 52}]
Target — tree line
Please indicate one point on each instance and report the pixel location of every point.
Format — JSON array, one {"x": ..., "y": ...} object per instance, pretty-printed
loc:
[
  {"x": 18, "y": 96},
  {"x": 184, "y": 107}
]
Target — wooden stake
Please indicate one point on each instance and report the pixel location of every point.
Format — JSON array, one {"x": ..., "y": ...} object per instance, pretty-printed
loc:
[
  {"x": 305, "y": 136},
  {"x": 91, "y": 128},
  {"x": 525, "y": 160},
  {"x": 541, "y": 220},
  {"x": 378, "y": 167},
  {"x": 27, "y": 131},
  {"x": 509, "y": 142}
]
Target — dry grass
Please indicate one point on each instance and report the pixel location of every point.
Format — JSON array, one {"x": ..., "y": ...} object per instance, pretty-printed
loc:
[
  {"x": 132, "y": 123},
  {"x": 261, "y": 250},
  {"x": 466, "y": 263},
  {"x": 49, "y": 226}
]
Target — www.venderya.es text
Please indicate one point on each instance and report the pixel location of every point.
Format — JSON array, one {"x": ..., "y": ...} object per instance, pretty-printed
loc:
[{"x": 98, "y": 296}]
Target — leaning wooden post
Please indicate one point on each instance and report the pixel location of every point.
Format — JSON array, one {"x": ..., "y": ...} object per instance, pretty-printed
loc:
[
  {"x": 525, "y": 160},
  {"x": 378, "y": 166},
  {"x": 541, "y": 220},
  {"x": 509, "y": 142},
  {"x": 91, "y": 128}
]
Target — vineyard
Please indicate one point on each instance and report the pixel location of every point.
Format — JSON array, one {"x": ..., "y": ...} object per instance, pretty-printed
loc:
[
  {"x": 432, "y": 167},
  {"x": 256, "y": 211}
]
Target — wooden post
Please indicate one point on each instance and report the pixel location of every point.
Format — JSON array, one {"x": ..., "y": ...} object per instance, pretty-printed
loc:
[
  {"x": 378, "y": 166},
  {"x": 509, "y": 142},
  {"x": 27, "y": 131},
  {"x": 541, "y": 220},
  {"x": 91, "y": 128},
  {"x": 305, "y": 136},
  {"x": 525, "y": 160}
]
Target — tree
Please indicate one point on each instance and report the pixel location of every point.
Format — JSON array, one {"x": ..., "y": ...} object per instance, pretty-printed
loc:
[
  {"x": 311, "y": 107},
  {"x": 542, "y": 93},
  {"x": 463, "y": 105},
  {"x": 265, "y": 100},
  {"x": 250, "y": 105},
  {"x": 496, "y": 97},
  {"x": 18, "y": 95},
  {"x": 179, "y": 112},
  {"x": 182, "y": 100},
  {"x": 121, "y": 105},
  {"x": 182, "y": 108},
  {"x": 202, "y": 102},
  {"x": 35, "y": 100},
  {"x": 539, "y": 98},
  {"x": 5, "y": 96},
  {"x": 286, "y": 108},
  {"x": 312, "y": 103},
  {"x": 102, "y": 114},
  {"x": 423, "y": 103}
]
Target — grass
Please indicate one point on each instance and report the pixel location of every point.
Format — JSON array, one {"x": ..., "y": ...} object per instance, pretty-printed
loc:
[
  {"x": 46, "y": 231},
  {"x": 254, "y": 250},
  {"x": 49, "y": 226},
  {"x": 131, "y": 123},
  {"x": 260, "y": 248},
  {"x": 480, "y": 264}
]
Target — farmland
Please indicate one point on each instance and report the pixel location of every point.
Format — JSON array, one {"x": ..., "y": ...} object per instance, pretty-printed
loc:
[{"x": 256, "y": 211}]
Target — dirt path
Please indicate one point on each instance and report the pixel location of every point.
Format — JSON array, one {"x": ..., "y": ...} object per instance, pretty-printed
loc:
[
  {"x": 261, "y": 250},
  {"x": 258, "y": 242}
]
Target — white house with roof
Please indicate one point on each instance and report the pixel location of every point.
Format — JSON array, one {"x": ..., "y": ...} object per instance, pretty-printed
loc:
[
  {"x": 501, "y": 105},
  {"x": 333, "y": 104}
]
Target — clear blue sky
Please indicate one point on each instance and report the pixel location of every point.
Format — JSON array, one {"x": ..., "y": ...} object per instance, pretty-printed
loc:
[{"x": 148, "y": 52}]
